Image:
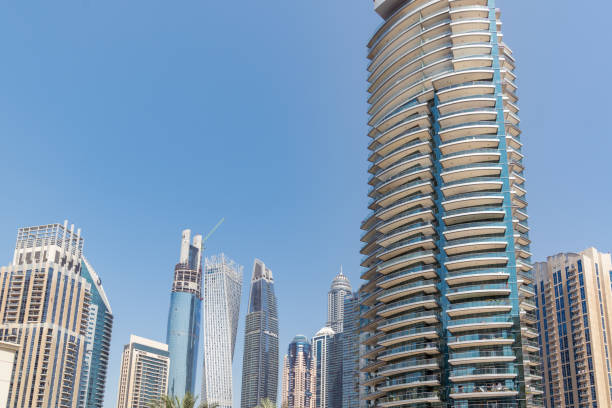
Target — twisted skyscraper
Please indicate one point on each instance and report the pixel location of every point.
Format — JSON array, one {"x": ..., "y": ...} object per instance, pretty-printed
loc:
[
  {"x": 184, "y": 317},
  {"x": 449, "y": 303},
  {"x": 222, "y": 288},
  {"x": 260, "y": 359}
]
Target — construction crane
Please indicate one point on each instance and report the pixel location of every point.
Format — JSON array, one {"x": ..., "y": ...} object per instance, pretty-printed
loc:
[{"x": 211, "y": 232}]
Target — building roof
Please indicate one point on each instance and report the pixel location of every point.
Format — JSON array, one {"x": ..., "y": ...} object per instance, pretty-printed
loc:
[
  {"x": 341, "y": 282},
  {"x": 325, "y": 331}
]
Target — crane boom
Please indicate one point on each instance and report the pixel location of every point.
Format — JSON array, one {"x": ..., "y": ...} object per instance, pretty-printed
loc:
[{"x": 211, "y": 232}]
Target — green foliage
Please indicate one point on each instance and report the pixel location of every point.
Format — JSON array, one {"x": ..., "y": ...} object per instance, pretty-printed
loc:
[
  {"x": 189, "y": 401},
  {"x": 266, "y": 403}
]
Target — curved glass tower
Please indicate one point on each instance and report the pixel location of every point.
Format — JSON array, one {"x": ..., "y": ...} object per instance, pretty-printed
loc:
[
  {"x": 184, "y": 317},
  {"x": 449, "y": 303},
  {"x": 260, "y": 358}
]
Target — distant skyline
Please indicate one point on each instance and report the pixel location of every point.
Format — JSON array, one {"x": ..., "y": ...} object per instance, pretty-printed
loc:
[{"x": 136, "y": 120}]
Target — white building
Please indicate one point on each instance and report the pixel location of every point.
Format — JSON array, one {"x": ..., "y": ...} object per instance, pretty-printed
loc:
[
  {"x": 222, "y": 289},
  {"x": 340, "y": 288},
  {"x": 7, "y": 359}
]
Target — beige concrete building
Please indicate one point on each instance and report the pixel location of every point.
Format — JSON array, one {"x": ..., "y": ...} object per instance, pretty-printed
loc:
[
  {"x": 44, "y": 306},
  {"x": 144, "y": 373},
  {"x": 299, "y": 373},
  {"x": 574, "y": 299},
  {"x": 7, "y": 359}
]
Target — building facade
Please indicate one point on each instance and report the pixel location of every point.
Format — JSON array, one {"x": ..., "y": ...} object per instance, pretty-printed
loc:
[
  {"x": 184, "y": 317},
  {"x": 260, "y": 358},
  {"x": 350, "y": 352},
  {"x": 327, "y": 354},
  {"x": 340, "y": 288},
  {"x": 299, "y": 375},
  {"x": 98, "y": 337},
  {"x": 44, "y": 309},
  {"x": 222, "y": 290},
  {"x": 449, "y": 302},
  {"x": 145, "y": 366},
  {"x": 574, "y": 300},
  {"x": 7, "y": 362}
]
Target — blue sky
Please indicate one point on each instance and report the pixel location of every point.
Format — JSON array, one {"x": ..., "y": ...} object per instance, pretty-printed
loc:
[{"x": 137, "y": 119}]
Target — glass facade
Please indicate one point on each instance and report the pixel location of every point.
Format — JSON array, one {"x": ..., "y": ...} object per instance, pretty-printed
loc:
[
  {"x": 448, "y": 307},
  {"x": 260, "y": 358}
]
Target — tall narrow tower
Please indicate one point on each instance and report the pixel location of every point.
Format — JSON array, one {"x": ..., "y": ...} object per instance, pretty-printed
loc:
[
  {"x": 340, "y": 288},
  {"x": 449, "y": 299},
  {"x": 260, "y": 359},
  {"x": 222, "y": 289},
  {"x": 299, "y": 375},
  {"x": 184, "y": 317}
]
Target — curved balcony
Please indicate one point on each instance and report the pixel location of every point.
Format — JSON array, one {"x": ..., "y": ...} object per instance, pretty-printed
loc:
[
  {"x": 410, "y": 381},
  {"x": 470, "y": 143},
  {"x": 407, "y": 274},
  {"x": 467, "y": 116},
  {"x": 406, "y": 176},
  {"x": 470, "y": 291},
  {"x": 411, "y": 349},
  {"x": 481, "y": 49},
  {"x": 479, "y": 374},
  {"x": 406, "y": 218},
  {"x": 473, "y": 200},
  {"x": 464, "y": 91},
  {"x": 423, "y": 201},
  {"x": 475, "y": 261},
  {"x": 476, "y": 275},
  {"x": 402, "y": 152},
  {"x": 470, "y": 157},
  {"x": 422, "y": 228},
  {"x": 478, "y": 244},
  {"x": 407, "y": 245},
  {"x": 471, "y": 37},
  {"x": 427, "y": 302},
  {"x": 477, "y": 340},
  {"x": 469, "y": 130},
  {"x": 405, "y": 112},
  {"x": 409, "y": 319},
  {"x": 407, "y": 163},
  {"x": 410, "y": 365},
  {"x": 469, "y": 13},
  {"x": 410, "y": 398},
  {"x": 482, "y": 391},
  {"x": 479, "y": 307},
  {"x": 529, "y": 332},
  {"x": 425, "y": 286},
  {"x": 461, "y": 77},
  {"x": 481, "y": 184},
  {"x": 474, "y": 229},
  {"x": 372, "y": 353},
  {"x": 404, "y": 261},
  {"x": 474, "y": 214},
  {"x": 462, "y": 104},
  {"x": 479, "y": 170},
  {"x": 408, "y": 189},
  {"x": 480, "y": 356},
  {"x": 473, "y": 62},
  {"x": 479, "y": 323},
  {"x": 411, "y": 129}
]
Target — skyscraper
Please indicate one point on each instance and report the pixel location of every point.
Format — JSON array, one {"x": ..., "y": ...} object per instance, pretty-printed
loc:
[
  {"x": 449, "y": 288},
  {"x": 574, "y": 300},
  {"x": 298, "y": 375},
  {"x": 98, "y": 336},
  {"x": 327, "y": 354},
  {"x": 350, "y": 352},
  {"x": 144, "y": 373},
  {"x": 222, "y": 289},
  {"x": 340, "y": 288},
  {"x": 184, "y": 317},
  {"x": 260, "y": 358},
  {"x": 44, "y": 307}
]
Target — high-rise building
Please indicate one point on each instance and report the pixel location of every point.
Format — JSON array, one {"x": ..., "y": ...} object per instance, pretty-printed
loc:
[
  {"x": 260, "y": 358},
  {"x": 144, "y": 373},
  {"x": 184, "y": 317},
  {"x": 7, "y": 362},
  {"x": 340, "y": 288},
  {"x": 44, "y": 307},
  {"x": 98, "y": 337},
  {"x": 350, "y": 352},
  {"x": 327, "y": 354},
  {"x": 222, "y": 289},
  {"x": 574, "y": 300},
  {"x": 449, "y": 296},
  {"x": 298, "y": 375}
]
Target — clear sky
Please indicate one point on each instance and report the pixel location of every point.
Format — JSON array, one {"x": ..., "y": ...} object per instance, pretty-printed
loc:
[{"x": 136, "y": 119}]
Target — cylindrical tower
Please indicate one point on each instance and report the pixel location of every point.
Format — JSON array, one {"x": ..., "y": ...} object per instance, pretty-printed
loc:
[
  {"x": 340, "y": 288},
  {"x": 449, "y": 303}
]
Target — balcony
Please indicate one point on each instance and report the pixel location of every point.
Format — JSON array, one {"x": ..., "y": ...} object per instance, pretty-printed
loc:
[
  {"x": 492, "y": 390},
  {"x": 474, "y": 214},
  {"x": 462, "y": 77},
  {"x": 425, "y": 286},
  {"x": 470, "y": 143},
  {"x": 479, "y": 323},
  {"x": 470, "y": 291},
  {"x": 476, "y": 260},
  {"x": 409, "y": 319},
  {"x": 403, "y": 177},
  {"x": 479, "y": 307},
  {"x": 473, "y": 200},
  {"x": 410, "y": 381},
  {"x": 474, "y": 229},
  {"x": 401, "y": 152},
  {"x": 477, "y": 244},
  {"x": 479, "y": 374},
  {"x": 423, "y": 201},
  {"x": 404, "y": 261},
  {"x": 410, "y": 129},
  {"x": 419, "y": 186},
  {"x": 470, "y": 171},
  {"x": 410, "y": 365},
  {"x": 423, "y": 228},
  {"x": 427, "y": 302},
  {"x": 409, "y": 399},
  {"x": 473, "y": 62},
  {"x": 463, "y": 104},
  {"x": 409, "y": 163},
  {"x": 480, "y": 184},
  {"x": 469, "y": 130},
  {"x": 411, "y": 349},
  {"x": 468, "y": 157},
  {"x": 466, "y": 91},
  {"x": 470, "y": 25},
  {"x": 407, "y": 245},
  {"x": 407, "y": 274},
  {"x": 481, "y": 356},
  {"x": 406, "y": 218}
]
